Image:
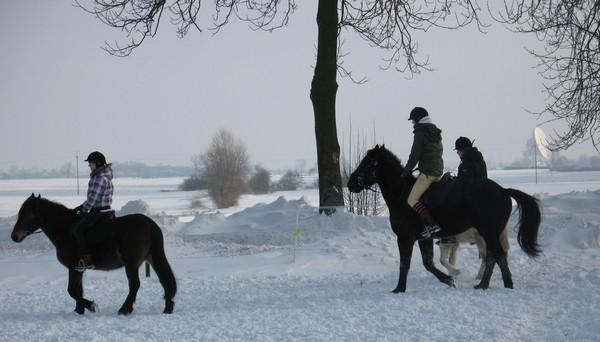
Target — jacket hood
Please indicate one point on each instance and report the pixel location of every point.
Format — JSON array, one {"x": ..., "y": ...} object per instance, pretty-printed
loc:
[
  {"x": 103, "y": 171},
  {"x": 430, "y": 129}
]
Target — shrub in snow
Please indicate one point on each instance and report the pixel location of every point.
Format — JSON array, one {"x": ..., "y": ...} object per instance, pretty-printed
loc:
[
  {"x": 260, "y": 182},
  {"x": 135, "y": 207},
  {"x": 291, "y": 180},
  {"x": 226, "y": 164}
]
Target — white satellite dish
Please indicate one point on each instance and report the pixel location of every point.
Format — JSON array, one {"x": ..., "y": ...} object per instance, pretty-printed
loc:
[{"x": 541, "y": 142}]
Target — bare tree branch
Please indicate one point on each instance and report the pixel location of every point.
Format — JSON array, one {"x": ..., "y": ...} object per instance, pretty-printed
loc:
[
  {"x": 569, "y": 62},
  {"x": 391, "y": 24}
]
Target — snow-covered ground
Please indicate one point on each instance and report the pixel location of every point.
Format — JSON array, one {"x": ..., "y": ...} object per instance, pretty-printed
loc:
[{"x": 240, "y": 277}]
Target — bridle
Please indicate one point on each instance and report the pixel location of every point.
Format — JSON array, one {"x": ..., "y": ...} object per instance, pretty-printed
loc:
[{"x": 373, "y": 175}]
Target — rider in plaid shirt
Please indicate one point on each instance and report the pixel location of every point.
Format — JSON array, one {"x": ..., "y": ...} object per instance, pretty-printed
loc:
[{"x": 96, "y": 206}]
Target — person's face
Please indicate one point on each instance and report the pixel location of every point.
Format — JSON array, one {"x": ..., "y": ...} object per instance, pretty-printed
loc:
[
  {"x": 92, "y": 166},
  {"x": 460, "y": 153}
]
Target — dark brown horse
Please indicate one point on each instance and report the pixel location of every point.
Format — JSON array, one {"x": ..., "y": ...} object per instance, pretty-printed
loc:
[
  {"x": 125, "y": 241},
  {"x": 457, "y": 206}
]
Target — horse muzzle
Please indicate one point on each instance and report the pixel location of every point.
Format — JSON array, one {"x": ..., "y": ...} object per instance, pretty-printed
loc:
[
  {"x": 356, "y": 183},
  {"x": 17, "y": 237}
]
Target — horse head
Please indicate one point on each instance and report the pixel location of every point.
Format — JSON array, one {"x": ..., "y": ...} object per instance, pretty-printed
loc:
[
  {"x": 365, "y": 175},
  {"x": 28, "y": 220}
]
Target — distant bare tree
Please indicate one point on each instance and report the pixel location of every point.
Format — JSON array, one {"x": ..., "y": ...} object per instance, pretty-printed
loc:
[
  {"x": 226, "y": 165},
  {"x": 569, "y": 63},
  {"x": 290, "y": 181},
  {"x": 260, "y": 181},
  {"x": 67, "y": 170}
]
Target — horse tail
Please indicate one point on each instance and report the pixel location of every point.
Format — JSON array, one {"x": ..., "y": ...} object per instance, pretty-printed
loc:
[
  {"x": 530, "y": 217},
  {"x": 159, "y": 263}
]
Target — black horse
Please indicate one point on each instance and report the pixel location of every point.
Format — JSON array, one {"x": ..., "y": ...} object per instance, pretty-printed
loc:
[
  {"x": 457, "y": 206},
  {"x": 127, "y": 241}
]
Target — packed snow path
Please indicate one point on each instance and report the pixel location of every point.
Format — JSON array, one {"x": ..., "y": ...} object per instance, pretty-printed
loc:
[{"x": 237, "y": 282}]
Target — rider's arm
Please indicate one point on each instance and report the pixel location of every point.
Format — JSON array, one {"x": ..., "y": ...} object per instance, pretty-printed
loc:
[
  {"x": 415, "y": 154},
  {"x": 95, "y": 190}
]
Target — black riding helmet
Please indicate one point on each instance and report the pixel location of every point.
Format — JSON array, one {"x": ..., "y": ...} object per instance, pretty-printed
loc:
[
  {"x": 97, "y": 158},
  {"x": 462, "y": 143},
  {"x": 418, "y": 113}
]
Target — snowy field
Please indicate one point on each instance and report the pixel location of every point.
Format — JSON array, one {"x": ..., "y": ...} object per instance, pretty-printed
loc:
[{"x": 241, "y": 279}]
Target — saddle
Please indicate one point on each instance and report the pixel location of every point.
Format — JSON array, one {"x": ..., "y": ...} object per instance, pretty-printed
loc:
[
  {"x": 448, "y": 192},
  {"x": 102, "y": 229}
]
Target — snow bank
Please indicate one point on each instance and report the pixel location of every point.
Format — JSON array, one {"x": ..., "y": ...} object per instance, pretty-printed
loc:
[{"x": 135, "y": 207}]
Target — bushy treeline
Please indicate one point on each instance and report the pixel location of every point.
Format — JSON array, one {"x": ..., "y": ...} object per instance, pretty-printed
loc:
[
  {"x": 121, "y": 169},
  {"x": 224, "y": 170}
]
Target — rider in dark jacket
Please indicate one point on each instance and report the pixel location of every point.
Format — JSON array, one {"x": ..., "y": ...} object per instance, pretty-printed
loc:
[{"x": 472, "y": 166}]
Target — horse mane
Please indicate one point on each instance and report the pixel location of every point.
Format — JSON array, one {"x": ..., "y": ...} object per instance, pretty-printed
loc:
[
  {"x": 52, "y": 204},
  {"x": 390, "y": 159},
  {"x": 55, "y": 210}
]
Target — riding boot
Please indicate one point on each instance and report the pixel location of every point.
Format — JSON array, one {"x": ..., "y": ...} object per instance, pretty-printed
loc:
[
  {"x": 85, "y": 258},
  {"x": 431, "y": 226}
]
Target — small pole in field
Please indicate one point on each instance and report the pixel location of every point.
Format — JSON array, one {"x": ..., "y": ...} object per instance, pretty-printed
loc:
[
  {"x": 296, "y": 237},
  {"x": 77, "y": 169}
]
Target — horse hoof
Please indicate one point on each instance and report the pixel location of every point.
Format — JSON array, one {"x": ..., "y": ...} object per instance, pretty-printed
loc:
[
  {"x": 169, "y": 308},
  {"x": 480, "y": 287},
  {"x": 125, "y": 311},
  {"x": 79, "y": 310},
  {"x": 93, "y": 307},
  {"x": 398, "y": 290},
  {"x": 452, "y": 283}
]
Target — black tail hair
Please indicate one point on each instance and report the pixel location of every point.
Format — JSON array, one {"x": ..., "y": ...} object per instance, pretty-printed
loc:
[{"x": 530, "y": 218}]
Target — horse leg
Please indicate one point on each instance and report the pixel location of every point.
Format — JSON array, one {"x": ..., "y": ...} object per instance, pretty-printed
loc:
[
  {"x": 506, "y": 275},
  {"x": 405, "y": 248},
  {"x": 426, "y": 247},
  {"x": 134, "y": 284},
  {"x": 453, "y": 258},
  {"x": 493, "y": 255},
  {"x": 502, "y": 260},
  {"x": 75, "y": 289},
  {"x": 446, "y": 254},
  {"x": 481, "y": 246},
  {"x": 487, "y": 272}
]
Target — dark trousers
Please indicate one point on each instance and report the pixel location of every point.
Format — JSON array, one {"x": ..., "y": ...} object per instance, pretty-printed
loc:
[{"x": 80, "y": 229}]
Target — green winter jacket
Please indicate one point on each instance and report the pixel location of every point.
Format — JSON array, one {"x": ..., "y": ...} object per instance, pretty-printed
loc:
[{"x": 426, "y": 150}]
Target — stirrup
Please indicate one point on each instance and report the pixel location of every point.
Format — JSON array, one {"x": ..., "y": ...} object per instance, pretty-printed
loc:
[
  {"x": 82, "y": 266},
  {"x": 430, "y": 230}
]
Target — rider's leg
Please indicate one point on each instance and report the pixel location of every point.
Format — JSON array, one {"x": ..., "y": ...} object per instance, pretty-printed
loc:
[
  {"x": 79, "y": 232},
  {"x": 421, "y": 185}
]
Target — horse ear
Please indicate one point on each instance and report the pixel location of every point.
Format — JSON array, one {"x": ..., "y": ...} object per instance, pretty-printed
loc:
[
  {"x": 32, "y": 195},
  {"x": 376, "y": 147},
  {"x": 39, "y": 195},
  {"x": 383, "y": 146}
]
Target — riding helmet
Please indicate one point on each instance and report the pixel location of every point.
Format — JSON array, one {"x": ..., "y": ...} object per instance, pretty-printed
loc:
[
  {"x": 462, "y": 143},
  {"x": 418, "y": 113},
  {"x": 97, "y": 158}
]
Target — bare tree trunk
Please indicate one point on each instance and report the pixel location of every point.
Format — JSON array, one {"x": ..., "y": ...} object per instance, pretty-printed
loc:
[{"x": 322, "y": 94}]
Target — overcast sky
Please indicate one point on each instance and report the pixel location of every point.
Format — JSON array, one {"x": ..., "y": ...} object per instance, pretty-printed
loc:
[{"x": 61, "y": 94}]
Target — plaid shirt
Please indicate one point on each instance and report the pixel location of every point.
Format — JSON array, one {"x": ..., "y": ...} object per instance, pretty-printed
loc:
[{"x": 100, "y": 189}]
